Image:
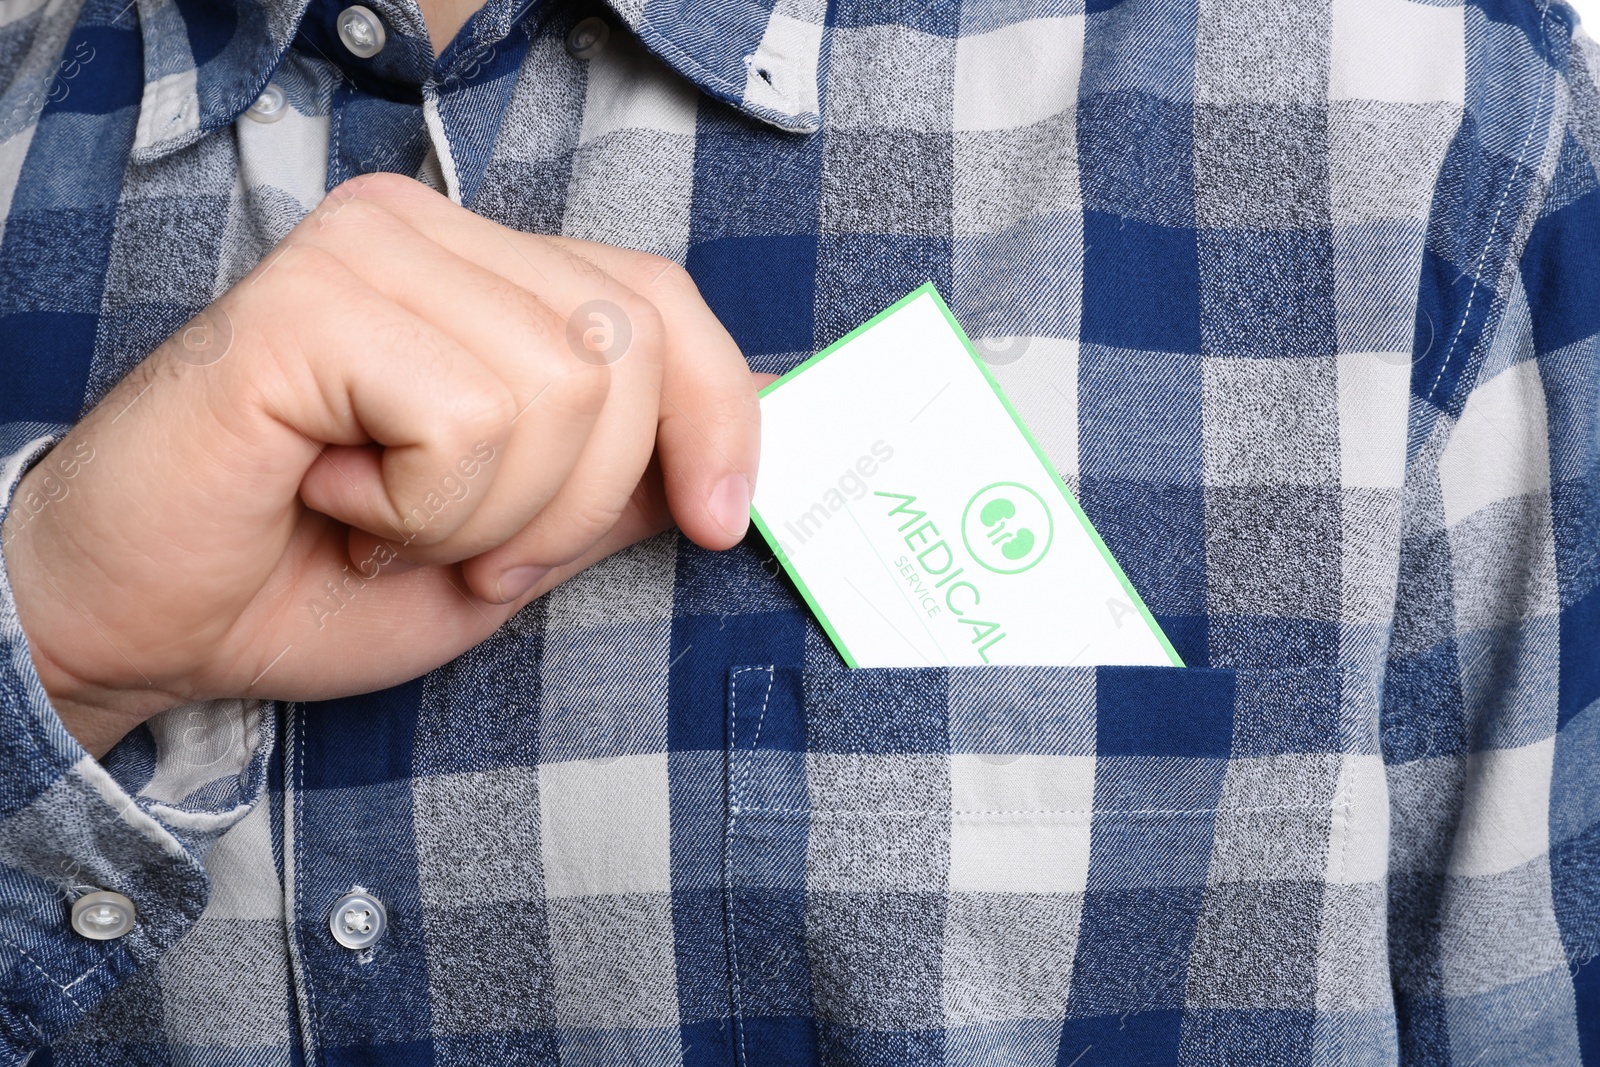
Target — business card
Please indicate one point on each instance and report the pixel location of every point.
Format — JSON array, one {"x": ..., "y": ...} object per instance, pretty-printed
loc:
[{"x": 921, "y": 521}]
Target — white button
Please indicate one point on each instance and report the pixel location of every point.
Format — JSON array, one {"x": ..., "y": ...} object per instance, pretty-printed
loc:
[
  {"x": 357, "y": 919},
  {"x": 269, "y": 106},
  {"x": 102, "y": 916},
  {"x": 361, "y": 31},
  {"x": 588, "y": 38}
]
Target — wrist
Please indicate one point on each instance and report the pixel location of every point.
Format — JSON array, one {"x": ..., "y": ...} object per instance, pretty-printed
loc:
[{"x": 97, "y": 715}]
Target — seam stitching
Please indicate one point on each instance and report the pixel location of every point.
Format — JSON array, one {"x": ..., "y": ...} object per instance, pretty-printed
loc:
[
  {"x": 46, "y": 974},
  {"x": 1494, "y": 224},
  {"x": 1042, "y": 811},
  {"x": 1345, "y": 806},
  {"x": 299, "y": 879},
  {"x": 735, "y": 781}
]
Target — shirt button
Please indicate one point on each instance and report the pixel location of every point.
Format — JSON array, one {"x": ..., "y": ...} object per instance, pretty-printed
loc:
[
  {"x": 358, "y": 919},
  {"x": 588, "y": 38},
  {"x": 269, "y": 106},
  {"x": 361, "y": 31},
  {"x": 102, "y": 916}
]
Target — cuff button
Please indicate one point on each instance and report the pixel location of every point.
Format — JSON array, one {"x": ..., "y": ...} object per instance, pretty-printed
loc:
[{"x": 102, "y": 916}]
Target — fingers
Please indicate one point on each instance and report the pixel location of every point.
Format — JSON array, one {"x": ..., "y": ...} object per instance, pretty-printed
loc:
[
  {"x": 645, "y": 515},
  {"x": 576, "y": 423},
  {"x": 429, "y": 402},
  {"x": 709, "y": 421},
  {"x": 557, "y": 480}
]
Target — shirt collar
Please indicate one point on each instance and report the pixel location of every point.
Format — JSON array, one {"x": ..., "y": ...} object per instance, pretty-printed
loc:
[
  {"x": 742, "y": 52},
  {"x": 206, "y": 61}
]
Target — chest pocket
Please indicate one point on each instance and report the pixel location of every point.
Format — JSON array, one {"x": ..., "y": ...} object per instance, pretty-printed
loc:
[{"x": 1000, "y": 864}]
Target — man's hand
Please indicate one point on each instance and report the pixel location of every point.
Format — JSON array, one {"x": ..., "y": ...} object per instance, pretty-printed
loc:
[{"x": 404, "y": 424}]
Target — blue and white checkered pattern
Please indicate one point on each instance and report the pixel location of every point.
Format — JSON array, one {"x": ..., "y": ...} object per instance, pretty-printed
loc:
[{"x": 1301, "y": 298}]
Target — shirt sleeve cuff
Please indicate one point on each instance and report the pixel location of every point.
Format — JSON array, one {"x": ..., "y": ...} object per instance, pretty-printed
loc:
[{"x": 70, "y": 826}]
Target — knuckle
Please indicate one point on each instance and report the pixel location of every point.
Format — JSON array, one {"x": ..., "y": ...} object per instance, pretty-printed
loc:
[
  {"x": 300, "y": 275},
  {"x": 648, "y": 325},
  {"x": 312, "y": 270},
  {"x": 586, "y": 523},
  {"x": 650, "y": 273},
  {"x": 582, "y": 386},
  {"x": 486, "y": 412},
  {"x": 345, "y": 216},
  {"x": 528, "y": 315},
  {"x": 412, "y": 342}
]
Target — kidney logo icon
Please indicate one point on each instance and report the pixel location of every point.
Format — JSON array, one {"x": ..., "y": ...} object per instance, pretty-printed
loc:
[{"x": 1007, "y": 527}]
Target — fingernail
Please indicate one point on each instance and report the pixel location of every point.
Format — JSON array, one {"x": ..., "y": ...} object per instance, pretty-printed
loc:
[
  {"x": 518, "y": 580},
  {"x": 730, "y": 504}
]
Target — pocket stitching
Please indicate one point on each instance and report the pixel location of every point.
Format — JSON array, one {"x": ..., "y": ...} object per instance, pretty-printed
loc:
[
  {"x": 735, "y": 783},
  {"x": 1336, "y": 803}
]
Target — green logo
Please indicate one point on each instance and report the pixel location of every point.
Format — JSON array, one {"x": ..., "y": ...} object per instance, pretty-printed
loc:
[{"x": 1007, "y": 527}]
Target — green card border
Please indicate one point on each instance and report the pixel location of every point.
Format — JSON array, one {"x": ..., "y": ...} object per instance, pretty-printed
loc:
[{"x": 929, "y": 289}]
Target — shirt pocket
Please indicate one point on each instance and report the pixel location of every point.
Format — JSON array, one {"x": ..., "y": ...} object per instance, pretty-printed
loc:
[{"x": 976, "y": 865}]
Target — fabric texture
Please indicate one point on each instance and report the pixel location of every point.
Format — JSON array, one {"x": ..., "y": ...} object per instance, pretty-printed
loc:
[{"x": 1303, "y": 301}]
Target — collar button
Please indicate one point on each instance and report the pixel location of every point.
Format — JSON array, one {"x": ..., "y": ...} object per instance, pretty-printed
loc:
[
  {"x": 588, "y": 38},
  {"x": 361, "y": 31},
  {"x": 269, "y": 106},
  {"x": 102, "y": 916}
]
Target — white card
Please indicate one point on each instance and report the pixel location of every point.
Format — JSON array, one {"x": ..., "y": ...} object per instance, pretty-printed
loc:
[{"x": 920, "y": 519}]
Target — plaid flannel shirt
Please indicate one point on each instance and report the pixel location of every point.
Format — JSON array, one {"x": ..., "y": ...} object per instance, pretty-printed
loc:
[{"x": 1302, "y": 299}]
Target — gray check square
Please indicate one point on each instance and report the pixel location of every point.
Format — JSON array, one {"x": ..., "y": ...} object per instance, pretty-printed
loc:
[
  {"x": 1371, "y": 556},
  {"x": 222, "y": 980},
  {"x": 1353, "y": 949},
  {"x": 879, "y": 823},
  {"x": 625, "y": 168},
  {"x": 889, "y": 76},
  {"x": 543, "y": 115},
  {"x": 1271, "y": 421},
  {"x": 1425, "y": 795},
  {"x": 1009, "y": 955},
  {"x": 1003, "y": 177},
  {"x": 612, "y": 962},
  {"x": 1383, "y": 157},
  {"x": 876, "y": 958},
  {"x": 1273, "y": 551},
  {"x": 1255, "y": 946},
  {"x": 1275, "y": 53},
  {"x": 1523, "y": 939},
  {"x": 887, "y": 182},
  {"x": 1274, "y": 819},
  {"x": 1504, "y": 558},
  {"x": 160, "y": 244},
  {"x": 489, "y": 967},
  {"x": 1261, "y": 165},
  {"x": 1513, "y": 673},
  {"x": 478, "y": 837}
]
